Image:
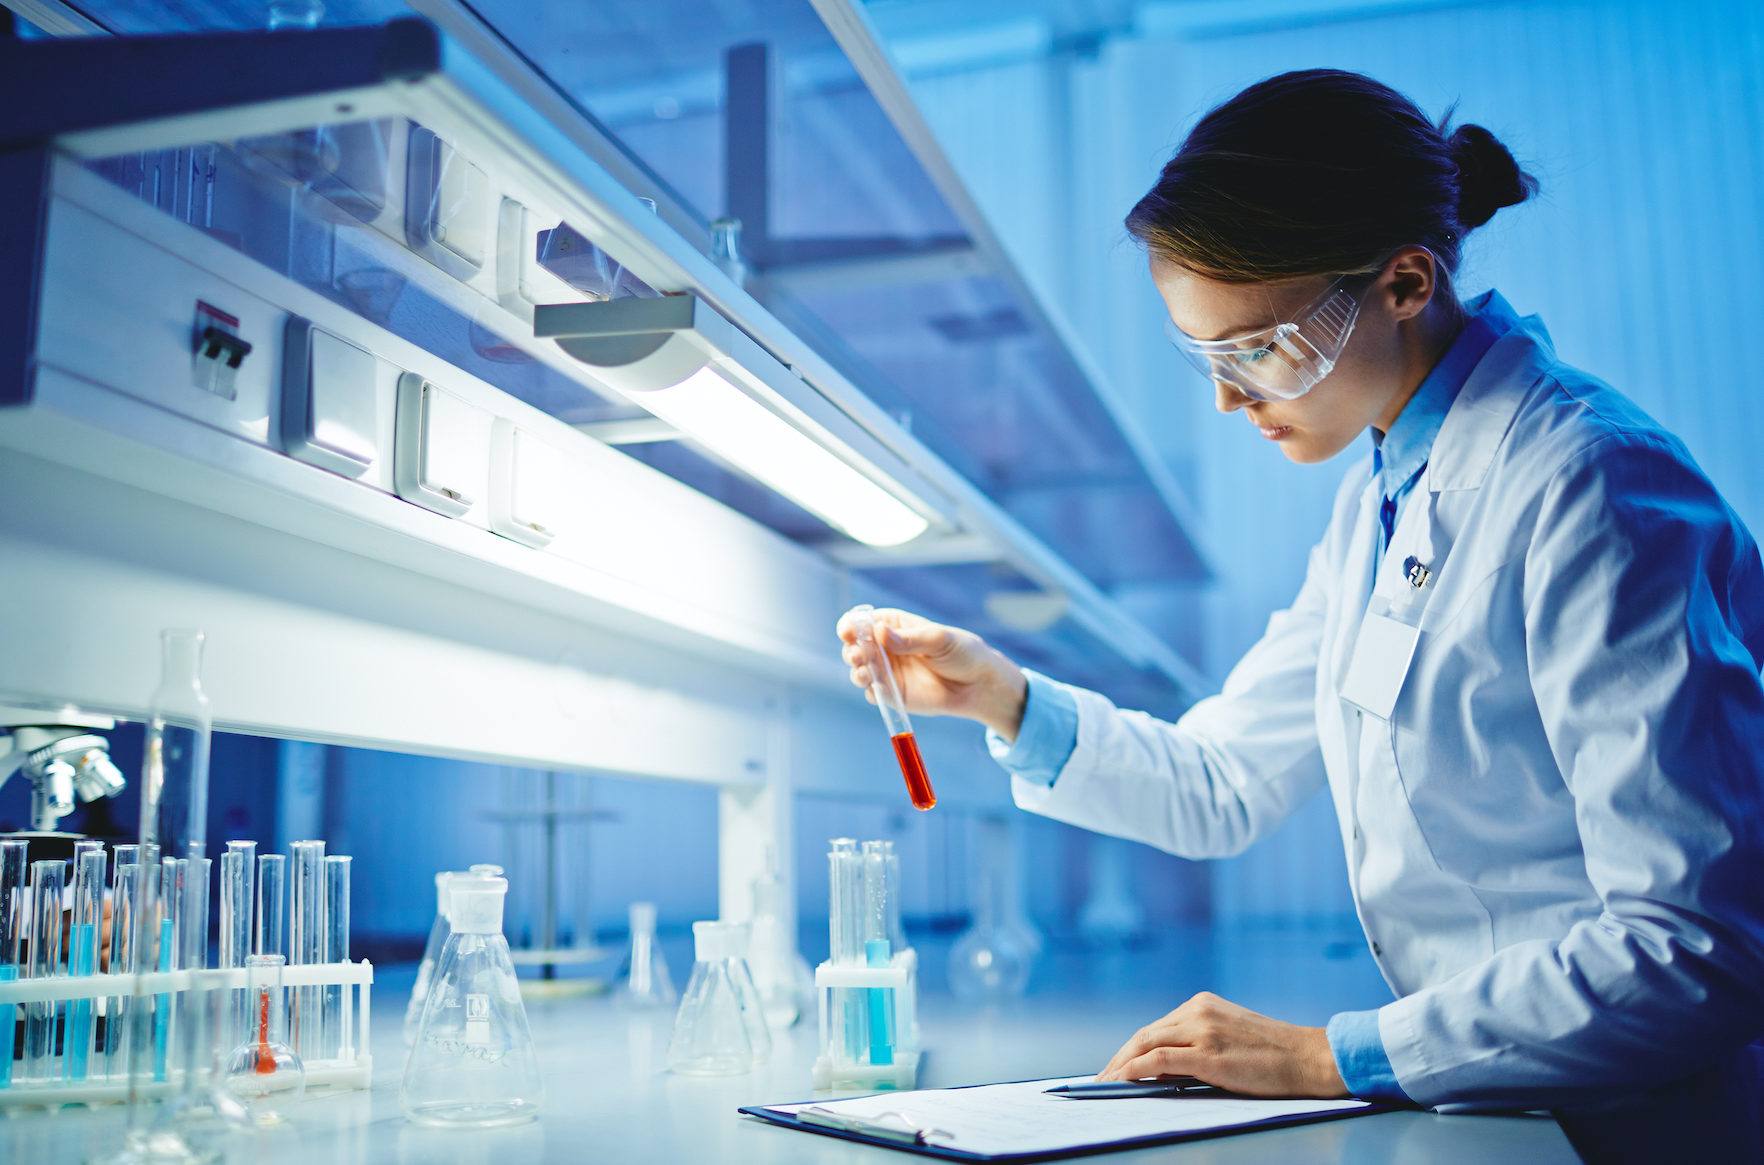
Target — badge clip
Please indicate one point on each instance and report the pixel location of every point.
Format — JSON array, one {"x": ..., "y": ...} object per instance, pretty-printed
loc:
[{"x": 1416, "y": 572}]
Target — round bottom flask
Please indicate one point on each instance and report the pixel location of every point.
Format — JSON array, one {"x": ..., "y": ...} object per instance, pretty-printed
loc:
[
  {"x": 263, "y": 1073},
  {"x": 473, "y": 1064}
]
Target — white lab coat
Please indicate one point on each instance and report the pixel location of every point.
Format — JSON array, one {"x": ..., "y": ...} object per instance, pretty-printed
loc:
[{"x": 1556, "y": 841}]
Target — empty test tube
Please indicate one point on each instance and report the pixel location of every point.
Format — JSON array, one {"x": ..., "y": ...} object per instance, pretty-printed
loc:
[
  {"x": 845, "y": 924},
  {"x": 306, "y": 939},
  {"x": 48, "y": 879},
  {"x": 272, "y": 904},
  {"x": 82, "y": 957},
  {"x": 125, "y": 898},
  {"x": 12, "y": 920},
  {"x": 238, "y": 865},
  {"x": 339, "y": 1038}
]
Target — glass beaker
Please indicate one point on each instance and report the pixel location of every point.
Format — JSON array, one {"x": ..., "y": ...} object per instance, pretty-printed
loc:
[
  {"x": 263, "y": 1073},
  {"x": 473, "y": 1064},
  {"x": 647, "y": 982},
  {"x": 720, "y": 1029}
]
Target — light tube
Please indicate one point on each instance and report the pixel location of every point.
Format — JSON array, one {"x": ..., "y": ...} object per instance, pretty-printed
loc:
[{"x": 720, "y": 416}]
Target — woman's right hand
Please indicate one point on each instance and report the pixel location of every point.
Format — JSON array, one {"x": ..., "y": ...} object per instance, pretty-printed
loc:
[{"x": 942, "y": 671}]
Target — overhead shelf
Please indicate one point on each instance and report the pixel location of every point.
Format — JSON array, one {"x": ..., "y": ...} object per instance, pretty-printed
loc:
[{"x": 487, "y": 160}]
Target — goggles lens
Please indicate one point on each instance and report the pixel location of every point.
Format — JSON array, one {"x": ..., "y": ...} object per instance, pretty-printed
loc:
[{"x": 1282, "y": 362}]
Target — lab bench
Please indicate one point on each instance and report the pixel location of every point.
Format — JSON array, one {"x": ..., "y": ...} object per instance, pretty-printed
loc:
[{"x": 609, "y": 1097}]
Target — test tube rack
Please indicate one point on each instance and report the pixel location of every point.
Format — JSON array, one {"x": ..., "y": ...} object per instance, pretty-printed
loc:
[
  {"x": 329, "y": 1075},
  {"x": 841, "y": 988}
]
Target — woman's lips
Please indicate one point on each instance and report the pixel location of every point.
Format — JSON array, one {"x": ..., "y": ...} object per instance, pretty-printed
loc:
[{"x": 1275, "y": 432}]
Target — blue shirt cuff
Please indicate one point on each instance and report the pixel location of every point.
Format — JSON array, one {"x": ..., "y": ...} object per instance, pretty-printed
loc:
[
  {"x": 1361, "y": 1059},
  {"x": 1047, "y": 736}
]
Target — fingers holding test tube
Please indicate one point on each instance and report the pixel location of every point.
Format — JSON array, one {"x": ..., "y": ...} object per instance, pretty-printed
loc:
[{"x": 937, "y": 670}]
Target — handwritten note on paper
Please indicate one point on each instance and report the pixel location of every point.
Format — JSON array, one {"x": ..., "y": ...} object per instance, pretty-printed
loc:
[{"x": 996, "y": 1119}]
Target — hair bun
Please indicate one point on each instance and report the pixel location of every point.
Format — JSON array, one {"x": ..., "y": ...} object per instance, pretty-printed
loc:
[{"x": 1488, "y": 177}]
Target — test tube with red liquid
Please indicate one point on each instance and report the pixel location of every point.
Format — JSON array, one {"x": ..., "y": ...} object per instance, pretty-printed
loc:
[{"x": 893, "y": 708}]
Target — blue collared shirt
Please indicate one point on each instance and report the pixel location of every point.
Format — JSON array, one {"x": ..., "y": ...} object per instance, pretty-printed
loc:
[{"x": 1049, "y": 731}]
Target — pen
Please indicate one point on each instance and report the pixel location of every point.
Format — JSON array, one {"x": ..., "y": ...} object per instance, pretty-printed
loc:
[
  {"x": 1123, "y": 1089},
  {"x": 888, "y": 1126}
]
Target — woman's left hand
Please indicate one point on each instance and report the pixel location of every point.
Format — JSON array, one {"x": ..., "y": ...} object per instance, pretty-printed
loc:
[{"x": 1231, "y": 1047}]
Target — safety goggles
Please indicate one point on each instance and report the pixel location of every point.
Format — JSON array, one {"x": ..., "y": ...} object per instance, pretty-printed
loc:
[{"x": 1284, "y": 361}]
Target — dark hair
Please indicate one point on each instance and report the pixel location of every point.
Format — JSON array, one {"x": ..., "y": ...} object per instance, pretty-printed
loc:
[{"x": 1322, "y": 172}]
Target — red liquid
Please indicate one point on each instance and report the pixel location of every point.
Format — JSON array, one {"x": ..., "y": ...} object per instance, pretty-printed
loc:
[
  {"x": 266, "y": 1060},
  {"x": 912, "y": 767}
]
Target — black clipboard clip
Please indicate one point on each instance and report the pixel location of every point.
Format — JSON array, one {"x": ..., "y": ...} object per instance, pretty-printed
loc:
[{"x": 887, "y": 1126}]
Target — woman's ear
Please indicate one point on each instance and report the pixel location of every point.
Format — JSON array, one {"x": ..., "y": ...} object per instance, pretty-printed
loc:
[{"x": 1414, "y": 277}]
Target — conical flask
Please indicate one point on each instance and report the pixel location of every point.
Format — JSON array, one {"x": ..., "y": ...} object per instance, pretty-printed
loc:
[
  {"x": 647, "y": 982},
  {"x": 438, "y": 932},
  {"x": 473, "y": 1064},
  {"x": 720, "y": 1030}
]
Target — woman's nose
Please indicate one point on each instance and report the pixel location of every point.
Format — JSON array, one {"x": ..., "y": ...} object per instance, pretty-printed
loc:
[{"x": 1228, "y": 398}]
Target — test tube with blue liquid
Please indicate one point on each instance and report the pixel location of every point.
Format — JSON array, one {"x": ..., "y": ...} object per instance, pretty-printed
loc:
[
  {"x": 171, "y": 898},
  {"x": 82, "y": 958},
  {"x": 12, "y": 919},
  {"x": 877, "y": 950}
]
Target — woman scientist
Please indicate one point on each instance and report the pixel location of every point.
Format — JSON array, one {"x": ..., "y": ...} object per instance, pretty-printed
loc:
[{"x": 1524, "y": 660}]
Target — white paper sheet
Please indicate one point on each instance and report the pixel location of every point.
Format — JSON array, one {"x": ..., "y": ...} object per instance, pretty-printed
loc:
[{"x": 995, "y": 1119}]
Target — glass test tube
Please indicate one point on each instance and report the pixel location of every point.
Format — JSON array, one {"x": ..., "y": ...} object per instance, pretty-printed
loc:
[
  {"x": 195, "y": 1051},
  {"x": 339, "y": 1038},
  {"x": 238, "y": 865},
  {"x": 893, "y": 708},
  {"x": 306, "y": 939},
  {"x": 846, "y": 927},
  {"x": 82, "y": 957},
  {"x": 48, "y": 879},
  {"x": 272, "y": 904},
  {"x": 125, "y": 902},
  {"x": 891, "y": 871},
  {"x": 171, "y": 901},
  {"x": 876, "y": 949},
  {"x": 12, "y": 919}
]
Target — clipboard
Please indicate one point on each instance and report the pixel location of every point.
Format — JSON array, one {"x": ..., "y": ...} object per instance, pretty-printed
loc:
[{"x": 1017, "y": 1121}]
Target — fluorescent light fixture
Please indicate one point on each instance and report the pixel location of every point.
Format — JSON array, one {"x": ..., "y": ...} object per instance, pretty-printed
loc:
[{"x": 687, "y": 365}]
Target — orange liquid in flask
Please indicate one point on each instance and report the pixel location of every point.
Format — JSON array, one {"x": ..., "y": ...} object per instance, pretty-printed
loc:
[
  {"x": 912, "y": 767},
  {"x": 266, "y": 1059}
]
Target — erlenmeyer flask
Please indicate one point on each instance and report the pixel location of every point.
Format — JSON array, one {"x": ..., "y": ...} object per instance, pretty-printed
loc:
[
  {"x": 263, "y": 1073},
  {"x": 438, "y": 932},
  {"x": 473, "y": 1064},
  {"x": 719, "y": 1019},
  {"x": 647, "y": 982}
]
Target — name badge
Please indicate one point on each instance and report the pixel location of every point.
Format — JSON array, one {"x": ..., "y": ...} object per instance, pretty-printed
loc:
[
  {"x": 1381, "y": 659},
  {"x": 1386, "y": 646}
]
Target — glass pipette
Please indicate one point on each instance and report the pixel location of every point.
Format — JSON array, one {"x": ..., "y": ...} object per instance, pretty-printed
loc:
[{"x": 893, "y": 708}]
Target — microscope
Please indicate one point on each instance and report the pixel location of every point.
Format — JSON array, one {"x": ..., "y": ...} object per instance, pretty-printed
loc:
[{"x": 63, "y": 757}]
